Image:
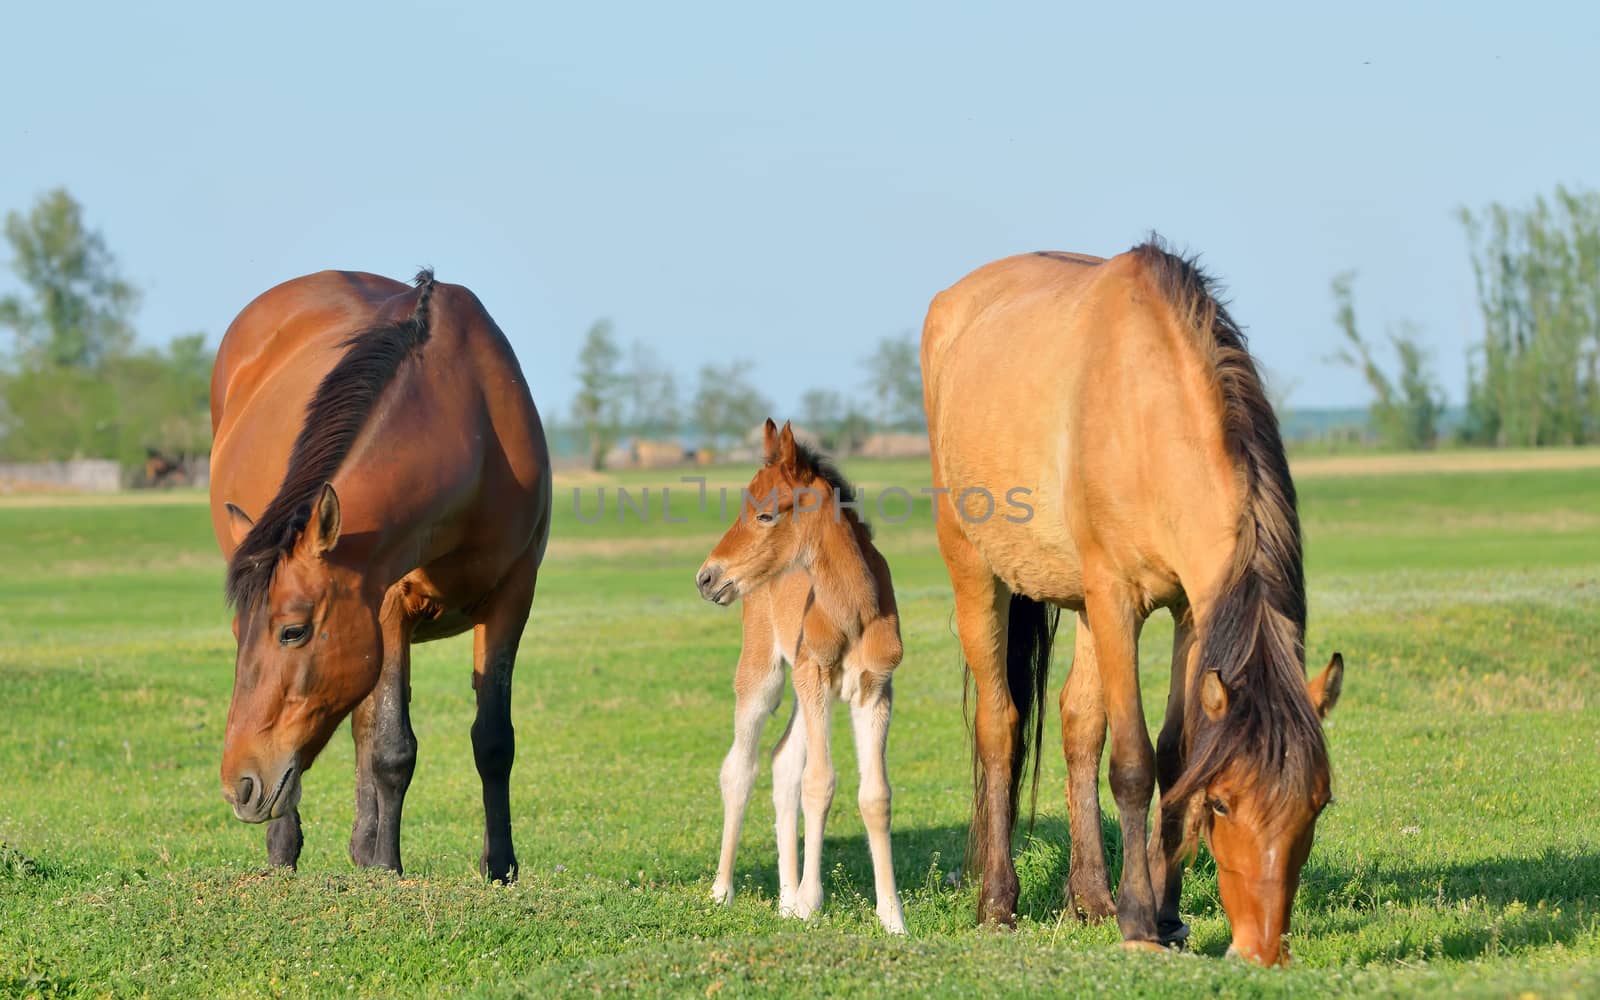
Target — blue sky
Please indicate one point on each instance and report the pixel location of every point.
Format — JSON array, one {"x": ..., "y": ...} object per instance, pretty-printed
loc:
[{"x": 789, "y": 184}]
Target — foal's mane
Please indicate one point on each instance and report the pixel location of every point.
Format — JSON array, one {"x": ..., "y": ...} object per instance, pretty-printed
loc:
[
  {"x": 809, "y": 457},
  {"x": 335, "y": 416},
  {"x": 1254, "y": 637}
]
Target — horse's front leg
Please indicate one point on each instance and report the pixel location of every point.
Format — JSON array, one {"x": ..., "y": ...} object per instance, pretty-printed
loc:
[
  {"x": 1115, "y": 627},
  {"x": 1083, "y": 740},
  {"x": 814, "y": 702},
  {"x": 494, "y": 652},
  {"x": 1166, "y": 840},
  {"x": 869, "y": 719},
  {"x": 386, "y": 750},
  {"x": 284, "y": 840},
  {"x": 757, "y": 686}
]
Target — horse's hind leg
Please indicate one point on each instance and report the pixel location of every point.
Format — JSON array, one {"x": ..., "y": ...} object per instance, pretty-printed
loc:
[
  {"x": 869, "y": 719},
  {"x": 494, "y": 652},
  {"x": 1083, "y": 739},
  {"x": 757, "y": 686},
  {"x": 788, "y": 770}
]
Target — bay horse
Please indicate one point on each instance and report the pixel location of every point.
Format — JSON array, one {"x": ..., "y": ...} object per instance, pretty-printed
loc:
[
  {"x": 1119, "y": 395},
  {"x": 386, "y": 443},
  {"x": 817, "y": 596}
]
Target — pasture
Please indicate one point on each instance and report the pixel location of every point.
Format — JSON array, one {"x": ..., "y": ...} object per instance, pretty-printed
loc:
[{"x": 1460, "y": 856}]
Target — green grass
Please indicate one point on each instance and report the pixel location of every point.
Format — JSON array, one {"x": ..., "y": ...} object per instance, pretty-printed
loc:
[{"x": 1460, "y": 855}]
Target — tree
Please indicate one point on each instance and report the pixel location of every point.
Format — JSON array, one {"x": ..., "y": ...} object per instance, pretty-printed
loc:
[
  {"x": 1405, "y": 410},
  {"x": 1535, "y": 377},
  {"x": 651, "y": 391},
  {"x": 841, "y": 426},
  {"x": 726, "y": 403},
  {"x": 597, "y": 405},
  {"x": 76, "y": 310},
  {"x": 895, "y": 380}
]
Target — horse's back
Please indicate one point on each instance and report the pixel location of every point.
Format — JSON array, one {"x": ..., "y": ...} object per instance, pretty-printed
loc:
[
  {"x": 1068, "y": 377},
  {"x": 466, "y": 396}
]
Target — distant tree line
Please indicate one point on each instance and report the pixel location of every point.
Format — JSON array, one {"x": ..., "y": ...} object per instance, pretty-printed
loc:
[
  {"x": 1533, "y": 377},
  {"x": 637, "y": 395},
  {"x": 74, "y": 384}
]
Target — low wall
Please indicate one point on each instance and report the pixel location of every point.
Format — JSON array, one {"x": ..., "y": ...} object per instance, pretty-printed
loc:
[{"x": 85, "y": 475}]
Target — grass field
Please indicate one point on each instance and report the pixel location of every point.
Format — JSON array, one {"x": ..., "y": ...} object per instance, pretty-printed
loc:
[{"x": 1461, "y": 855}]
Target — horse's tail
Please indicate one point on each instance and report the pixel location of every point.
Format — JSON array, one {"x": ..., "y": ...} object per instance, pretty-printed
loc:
[{"x": 1031, "y": 630}]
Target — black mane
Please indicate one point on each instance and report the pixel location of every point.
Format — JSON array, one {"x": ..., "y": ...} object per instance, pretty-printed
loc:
[
  {"x": 338, "y": 410},
  {"x": 809, "y": 457},
  {"x": 1254, "y": 637}
]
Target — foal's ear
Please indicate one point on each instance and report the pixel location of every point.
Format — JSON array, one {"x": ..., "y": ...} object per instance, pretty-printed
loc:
[
  {"x": 1324, "y": 688},
  {"x": 1213, "y": 695},
  {"x": 788, "y": 458},
  {"x": 769, "y": 442},
  {"x": 324, "y": 529},
  {"x": 239, "y": 523}
]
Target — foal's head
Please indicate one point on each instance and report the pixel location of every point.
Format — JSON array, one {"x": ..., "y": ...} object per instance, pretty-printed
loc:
[
  {"x": 1260, "y": 828},
  {"x": 782, "y": 515},
  {"x": 309, "y": 649}
]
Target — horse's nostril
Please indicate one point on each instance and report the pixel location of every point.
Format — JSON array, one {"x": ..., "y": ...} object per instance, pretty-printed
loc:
[
  {"x": 246, "y": 791},
  {"x": 704, "y": 579}
]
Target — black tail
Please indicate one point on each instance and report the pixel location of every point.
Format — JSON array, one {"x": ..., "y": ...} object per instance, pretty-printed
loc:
[{"x": 1031, "y": 632}]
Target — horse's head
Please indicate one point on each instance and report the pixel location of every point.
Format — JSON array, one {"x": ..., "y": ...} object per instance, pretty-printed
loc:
[
  {"x": 781, "y": 518},
  {"x": 1260, "y": 835},
  {"x": 309, "y": 649}
]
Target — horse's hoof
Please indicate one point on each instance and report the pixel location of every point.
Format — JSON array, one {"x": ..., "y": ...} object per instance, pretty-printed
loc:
[
  {"x": 722, "y": 894},
  {"x": 1150, "y": 946},
  {"x": 1176, "y": 936},
  {"x": 1093, "y": 909}
]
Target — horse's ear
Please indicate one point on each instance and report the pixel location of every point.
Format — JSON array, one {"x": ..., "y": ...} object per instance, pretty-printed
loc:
[
  {"x": 1325, "y": 688},
  {"x": 239, "y": 523},
  {"x": 769, "y": 442},
  {"x": 1213, "y": 695},
  {"x": 324, "y": 530},
  {"x": 788, "y": 458}
]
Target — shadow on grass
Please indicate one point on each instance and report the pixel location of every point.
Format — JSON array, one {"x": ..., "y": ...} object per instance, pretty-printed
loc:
[{"x": 1493, "y": 907}]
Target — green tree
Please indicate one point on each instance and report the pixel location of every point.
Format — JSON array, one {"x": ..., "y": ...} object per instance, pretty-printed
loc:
[
  {"x": 651, "y": 394},
  {"x": 727, "y": 404},
  {"x": 1534, "y": 378},
  {"x": 76, "y": 310},
  {"x": 1405, "y": 409},
  {"x": 597, "y": 407},
  {"x": 894, "y": 378}
]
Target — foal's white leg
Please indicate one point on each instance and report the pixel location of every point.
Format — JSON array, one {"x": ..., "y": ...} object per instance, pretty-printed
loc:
[
  {"x": 869, "y": 719},
  {"x": 788, "y": 765},
  {"x": 815, "y": 703},
  {"x": 750, "y": 711}
]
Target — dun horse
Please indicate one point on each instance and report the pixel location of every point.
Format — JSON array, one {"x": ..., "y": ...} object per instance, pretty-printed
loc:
[
  {"x": 817, "y": 595},
  {"x": 1120, "y": 394},
  {"x": 385, "y": 442}
]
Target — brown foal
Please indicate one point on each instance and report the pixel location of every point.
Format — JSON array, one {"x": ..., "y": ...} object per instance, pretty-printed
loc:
[{"x": 817, "y": 596}]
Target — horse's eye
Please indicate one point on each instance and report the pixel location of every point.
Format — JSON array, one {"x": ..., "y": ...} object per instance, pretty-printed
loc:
[
  {"x": 766, "y": 517},
  {"x": 1217, "y": 806},
  {"x": 293, "y": 635}
]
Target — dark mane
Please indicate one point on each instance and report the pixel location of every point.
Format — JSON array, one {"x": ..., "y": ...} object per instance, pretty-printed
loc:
[
  {"x": 338, "y": 410},
  {"x": 812, "y": 458},
  {"x": 1254, "y": 636}
]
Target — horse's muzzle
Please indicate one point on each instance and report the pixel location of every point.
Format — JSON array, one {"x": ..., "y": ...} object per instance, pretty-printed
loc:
[{"x": 256, "y": 801}]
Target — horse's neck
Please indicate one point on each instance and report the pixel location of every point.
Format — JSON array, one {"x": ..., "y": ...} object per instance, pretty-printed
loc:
[{"x": 846, "y": 588}]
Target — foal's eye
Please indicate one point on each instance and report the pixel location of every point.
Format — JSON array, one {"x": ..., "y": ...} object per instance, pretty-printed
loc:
[
  {"x": 293, "y": 635},
  {"x": 1217, "y": 806},
  {"x": 766, "y": 517}
]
